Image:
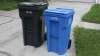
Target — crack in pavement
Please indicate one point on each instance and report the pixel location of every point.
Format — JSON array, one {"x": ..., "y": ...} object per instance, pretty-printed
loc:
[
  {"x": 5, "y": 42},
  {"x": 9, "y": 40},
  {"x": 9, "y": 16},
  {"x": 9, "y": 20},
  {"x": 5, "y": 53},
  {"x": 6, "y": 30}
]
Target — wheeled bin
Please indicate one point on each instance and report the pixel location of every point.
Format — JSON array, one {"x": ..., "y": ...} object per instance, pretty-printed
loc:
[
  {"x": 58, "y": 22},
  {"x": 31, "y": 14}
]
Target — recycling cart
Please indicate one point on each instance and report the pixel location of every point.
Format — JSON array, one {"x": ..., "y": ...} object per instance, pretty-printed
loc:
[{"x": 58, "y": 22}]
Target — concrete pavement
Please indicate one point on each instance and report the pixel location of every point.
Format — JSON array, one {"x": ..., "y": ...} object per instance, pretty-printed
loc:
[
  {"x": 89, "y": 25},
  {"x": 11, "y": 40}
]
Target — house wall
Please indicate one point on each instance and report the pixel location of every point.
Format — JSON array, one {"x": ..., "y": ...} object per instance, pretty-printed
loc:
[
  {"x": 83, "y": 0},
  {"x": 98, "y": 1}
]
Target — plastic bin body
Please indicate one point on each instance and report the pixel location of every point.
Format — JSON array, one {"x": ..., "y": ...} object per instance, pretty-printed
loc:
[
  {"x": 58, "y": 22},
  {"x": 31, "y": 14}
]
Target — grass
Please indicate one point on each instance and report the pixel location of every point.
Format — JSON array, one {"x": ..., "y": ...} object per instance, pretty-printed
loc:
[
  {"x": 11, "y": 4},
  {"x": 93, "y": 15},
  {"x": 8, "y": 6},
  {"x": 87, "y": 42}
]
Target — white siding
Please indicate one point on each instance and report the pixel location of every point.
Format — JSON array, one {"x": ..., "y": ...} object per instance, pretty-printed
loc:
[
  {"x": 83, "y": 0},
  {"x": 99, "y": 1}
]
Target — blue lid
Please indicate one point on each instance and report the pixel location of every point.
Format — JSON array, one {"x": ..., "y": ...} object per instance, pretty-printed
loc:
[{"x": 59, "y": 12}]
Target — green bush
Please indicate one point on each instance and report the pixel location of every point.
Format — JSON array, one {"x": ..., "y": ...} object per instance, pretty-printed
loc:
[
  {"x": 8, "y": 6},
  {"x": 30, "y": 0},
  {"x": 34, "y": 0},
  {"x": 6, "y": 1},
  {"x": 12, "y": 4},
  {"x": 24, "y": 0}
]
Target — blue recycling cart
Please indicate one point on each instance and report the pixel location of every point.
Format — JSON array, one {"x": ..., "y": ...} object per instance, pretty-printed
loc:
[{"x": 58, "y": 22}]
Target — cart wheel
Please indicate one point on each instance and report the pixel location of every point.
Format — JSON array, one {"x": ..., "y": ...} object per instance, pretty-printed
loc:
[
  {"x": 69, "y": 44},
  {"x": 45, "y": 36}
]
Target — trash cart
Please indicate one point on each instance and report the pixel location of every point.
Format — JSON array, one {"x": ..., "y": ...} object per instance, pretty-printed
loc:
[
  {"x": 31, "y": 14},
  {"x": 58, "y": 22}
]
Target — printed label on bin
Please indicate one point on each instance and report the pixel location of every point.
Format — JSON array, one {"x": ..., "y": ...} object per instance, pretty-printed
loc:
[
  {"x": 29, "y": 12},
  {"x": 54, "y": 18},
  {"x": 69, "y": 21}
]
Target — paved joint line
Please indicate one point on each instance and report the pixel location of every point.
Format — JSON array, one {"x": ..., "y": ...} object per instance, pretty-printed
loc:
[{"x": 78, "y": 23}]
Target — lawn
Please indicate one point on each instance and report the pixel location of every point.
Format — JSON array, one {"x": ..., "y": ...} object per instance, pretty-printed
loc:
[
  {"x": 87, "y": 42},
  {"x": 93, "y": 15},
  {"x": 12, "y": 4},
  {"x": 8, "y": 6}
]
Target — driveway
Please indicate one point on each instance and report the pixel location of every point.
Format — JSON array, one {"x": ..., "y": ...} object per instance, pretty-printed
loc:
[{"x": 11, "y": 40}]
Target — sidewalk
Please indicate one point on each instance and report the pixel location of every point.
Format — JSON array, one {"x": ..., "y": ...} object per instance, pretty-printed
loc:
[
  {"x": 89, "y": 25},
  {"x": 11, "y": 40}
]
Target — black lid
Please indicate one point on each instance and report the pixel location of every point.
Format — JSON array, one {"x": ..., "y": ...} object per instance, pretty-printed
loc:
[{"x": 31, "y": 5}]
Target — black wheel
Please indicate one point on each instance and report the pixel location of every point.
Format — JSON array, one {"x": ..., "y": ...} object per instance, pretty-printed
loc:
[
  {"x": 69, "y": 44},
  {"x": 45, "y": 36}
]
